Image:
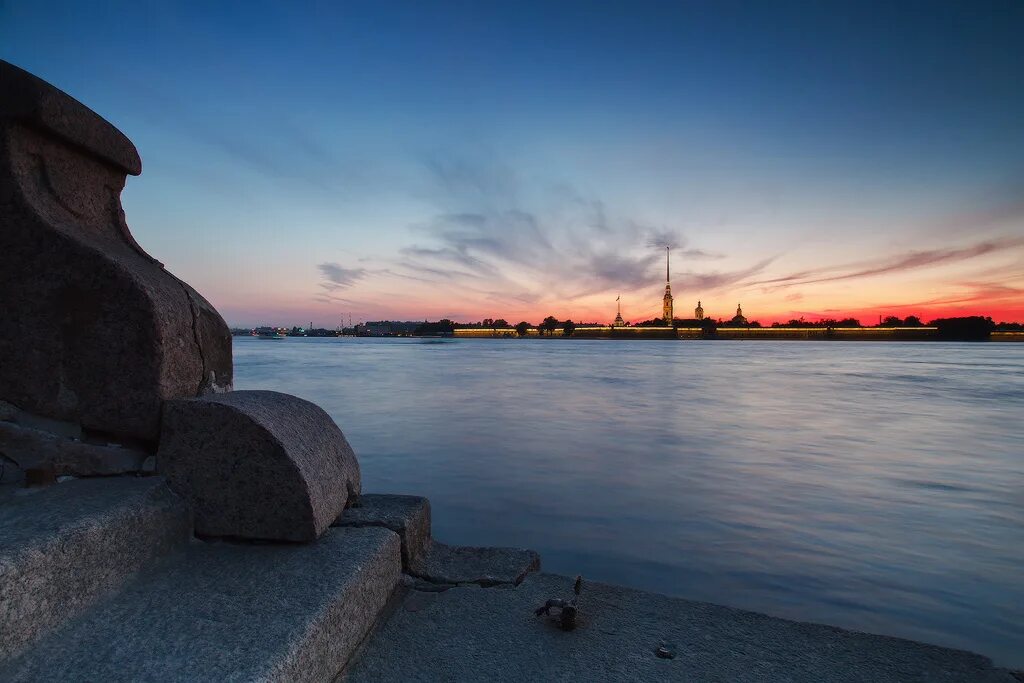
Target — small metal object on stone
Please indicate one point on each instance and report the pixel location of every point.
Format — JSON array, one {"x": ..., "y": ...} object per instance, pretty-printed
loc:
[{"x": 568, "y": 610}]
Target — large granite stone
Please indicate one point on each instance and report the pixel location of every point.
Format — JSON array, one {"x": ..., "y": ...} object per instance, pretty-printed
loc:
[
  {"x": 95, "y": 331},
  {"x": 257, "y": 464},
  {"x": 407, "y": 516},
  {"x": 67, "y": 546}
]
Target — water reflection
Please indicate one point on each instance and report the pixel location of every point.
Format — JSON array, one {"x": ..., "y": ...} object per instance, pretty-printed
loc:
[{"x": 870, "y": 485}]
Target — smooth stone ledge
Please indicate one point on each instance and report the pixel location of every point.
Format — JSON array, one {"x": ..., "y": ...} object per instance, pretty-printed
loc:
[
  {"x": 65, "y": 546},
  {"x": 231, "y": 612},
  {"x": 473, "y": 633}
]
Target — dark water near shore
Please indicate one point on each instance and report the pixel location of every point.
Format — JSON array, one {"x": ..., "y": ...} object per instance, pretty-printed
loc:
[{"x": 875, "y": 486}]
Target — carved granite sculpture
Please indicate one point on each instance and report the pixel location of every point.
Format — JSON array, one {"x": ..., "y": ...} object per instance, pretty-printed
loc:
[
  {"x": 96, "y": 333},
  {"x": 107, "y": 359}
]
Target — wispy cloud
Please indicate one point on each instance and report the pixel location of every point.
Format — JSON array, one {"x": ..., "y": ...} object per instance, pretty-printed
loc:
[
  {"x": 703, "y": 282},
  {"x": 660, "y": 238},
  {"x": 1007, "y": 208},
  {"x": 489, "y": 236},
  {"x": 281, "y": 149},
  {"x": 338, "y": 277},
  {"x": 907, "y": 261},
  {"x": 969, "y": 293},
  {"x": 700, "y": 255}
]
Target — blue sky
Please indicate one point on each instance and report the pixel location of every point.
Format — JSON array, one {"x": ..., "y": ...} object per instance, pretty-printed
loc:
[{"x": 304, "y": 161}]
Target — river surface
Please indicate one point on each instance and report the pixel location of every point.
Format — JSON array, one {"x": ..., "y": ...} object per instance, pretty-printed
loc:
[{"x": 874, "y": 486}]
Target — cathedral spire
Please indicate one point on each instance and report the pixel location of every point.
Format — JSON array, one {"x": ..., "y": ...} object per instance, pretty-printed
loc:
[{"x": 666, "y": 306}]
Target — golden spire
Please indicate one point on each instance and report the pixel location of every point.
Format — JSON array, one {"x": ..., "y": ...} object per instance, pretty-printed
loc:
[{"x": 666, "y": 307}]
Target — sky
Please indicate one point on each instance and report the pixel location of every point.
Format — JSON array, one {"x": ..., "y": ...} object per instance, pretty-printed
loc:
[{"x": 307, "y": 162}]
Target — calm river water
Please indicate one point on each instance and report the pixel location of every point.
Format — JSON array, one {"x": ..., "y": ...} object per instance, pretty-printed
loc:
[{"x": 875, "y": 486}]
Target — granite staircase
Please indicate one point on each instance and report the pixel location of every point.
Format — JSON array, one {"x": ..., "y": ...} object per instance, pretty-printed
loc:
[{"x": 101, "y": 580}]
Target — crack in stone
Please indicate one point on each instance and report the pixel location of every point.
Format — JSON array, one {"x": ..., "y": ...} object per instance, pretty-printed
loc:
[
  {"x": 195, "y": 334},
  {"x": 482, "y": 583}
]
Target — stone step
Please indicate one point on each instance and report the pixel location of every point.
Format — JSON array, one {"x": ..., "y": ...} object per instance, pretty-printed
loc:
[
  {"x": 66, "y": 546},
  {"x": 222, "y": 611},
  {"x": 432, "y": 561}
]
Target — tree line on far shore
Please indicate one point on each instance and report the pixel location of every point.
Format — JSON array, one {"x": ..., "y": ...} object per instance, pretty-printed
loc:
[
  {"x": 547, "y": 326},
  {"x": 968, "y": 327}
]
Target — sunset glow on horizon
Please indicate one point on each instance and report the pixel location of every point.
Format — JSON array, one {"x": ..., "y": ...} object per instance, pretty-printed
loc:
[{"x": 470, "y": 162}]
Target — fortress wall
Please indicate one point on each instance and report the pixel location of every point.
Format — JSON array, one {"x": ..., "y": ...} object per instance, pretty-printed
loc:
[{"x": 823, "y": 333}]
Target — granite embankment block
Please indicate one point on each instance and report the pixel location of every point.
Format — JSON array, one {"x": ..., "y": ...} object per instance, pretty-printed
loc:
[
  {"x": 230, "y": 612},
  {"x": 66, "y": 546},
  {"x": 257, "y": 464},
  {"x": 407, "y": 516},
  {"x": 491, "y": 634},
  {"x": 432, "y": 561}
]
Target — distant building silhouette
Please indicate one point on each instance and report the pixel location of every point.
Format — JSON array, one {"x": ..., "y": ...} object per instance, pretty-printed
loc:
[
  {"x": 739, "y": 319},
  {"x": 619, "y": 322},
  {"x": 698, "y": 312}
]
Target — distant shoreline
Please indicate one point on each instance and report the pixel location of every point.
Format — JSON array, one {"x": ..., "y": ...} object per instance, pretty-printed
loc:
[
  {"x": 749, "y": 333},
  {"x": 875, "y": 334}
]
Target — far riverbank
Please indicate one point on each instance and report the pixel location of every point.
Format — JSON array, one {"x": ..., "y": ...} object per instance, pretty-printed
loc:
[{"x": 777, "y": 333}]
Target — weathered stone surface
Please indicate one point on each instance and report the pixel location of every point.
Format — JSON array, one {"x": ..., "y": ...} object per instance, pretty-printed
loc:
[
  {"x": 32, "y": 449},
  {"x": 11, "y": 413},
  {"x": 491, "y": 634},
  {"x": 63, "y": 547},
  {"x": 10, "y": 473},
  {"x": 257, "y": 464},
  {"x": 96, "y": 332},
  {"x": 453, "y": 564},
  {"x": 230, "y": 612},
  {"x": 408, "y": 516}
]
